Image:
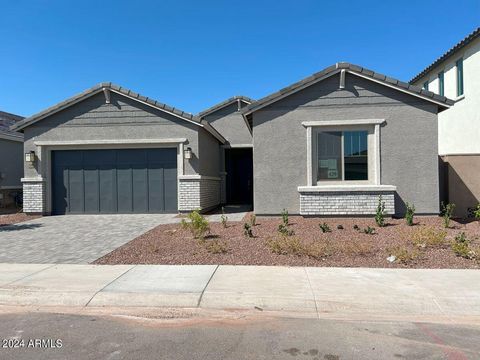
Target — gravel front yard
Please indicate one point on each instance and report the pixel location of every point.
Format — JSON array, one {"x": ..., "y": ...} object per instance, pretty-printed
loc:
[
  {"x": 347, "y": 247},
  {"x": 15, "y": 218}
]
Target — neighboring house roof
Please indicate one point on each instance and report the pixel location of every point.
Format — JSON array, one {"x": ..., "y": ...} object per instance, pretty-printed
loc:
[
  {"x": 122, "y": 91},
  {"x": 452, "y": 51},
  {"x": 352, "y": 69},
  {"x": 7, "y": 120},
  {"x": 224, "y": 103}
]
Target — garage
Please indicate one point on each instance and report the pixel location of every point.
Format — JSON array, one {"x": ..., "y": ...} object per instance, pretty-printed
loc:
[{"x": 114, "y": 181}]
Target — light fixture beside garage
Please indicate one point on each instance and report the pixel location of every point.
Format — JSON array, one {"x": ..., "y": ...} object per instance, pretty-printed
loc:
[
  {"x": 30, "y": 157},
  {"x": 188, "y": 153}
]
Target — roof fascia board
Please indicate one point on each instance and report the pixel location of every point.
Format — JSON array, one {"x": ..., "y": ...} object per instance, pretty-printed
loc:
[
  {"x": 400, "y": 89},
  {"x": 213, "y": 131},
  {"x": 293, "y": 91},
  {"x": 215, "y": 108}
]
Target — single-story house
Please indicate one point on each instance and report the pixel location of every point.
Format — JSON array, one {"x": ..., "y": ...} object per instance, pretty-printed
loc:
[
  {"x": 11, "y": 158},
  {"x": 330, "y": 144}
]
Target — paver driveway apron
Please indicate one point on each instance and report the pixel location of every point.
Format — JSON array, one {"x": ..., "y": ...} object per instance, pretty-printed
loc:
[{"x": 73, "y": 239}]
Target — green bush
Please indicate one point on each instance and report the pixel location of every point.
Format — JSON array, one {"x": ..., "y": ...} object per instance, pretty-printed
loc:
[
  {"x": 224, "y": 218},
  {"x": 447, "y": 213},
  {"x": 197, "y": 225},
  {"x": 285, "y": 217},
  {"x": 380, "y": 212},
  {"x": 247, "y": 230},
  {"x": 409, "y": 214},
  {"x": 324, "y": 227},
  {"x": 284, "y": 230},
  {"x": 369, "y": 230},
  {"x": 476, "y": 212}
]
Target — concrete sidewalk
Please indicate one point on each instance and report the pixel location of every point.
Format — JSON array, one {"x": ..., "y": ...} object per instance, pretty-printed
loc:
[{"x": 315, "y": 291}]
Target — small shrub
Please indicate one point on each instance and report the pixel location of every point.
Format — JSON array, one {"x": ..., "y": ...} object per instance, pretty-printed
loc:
[
  {"x": 216, "y": 246},
  {"x": 247, "y": 230},
  {"x": 197, "y": 225},
  {"x": 286, "y": 245},
  {"x": 380, "y": 212},
  {"x": 447, "y": 213},
  {"x": 340, "y": 227},
  {"x": 224, "y": 219},
  {"x": 325, "y": 228},
  {"x": 404, "y": 255},
  {"x": 285, "y": 217},
  {"x": 369, "y": 230},
  {"x": 285, "y": 231},
  {"x": 428, "y": 237},
  {"x": 356, "y": 227},
  {"x": 461, "y": 247},
  {"x": 358, "y": 248},
  {"x": 409, "y": 214},
  {"x": 253, "y": 220},
  {"x": 476, "y": 212}
]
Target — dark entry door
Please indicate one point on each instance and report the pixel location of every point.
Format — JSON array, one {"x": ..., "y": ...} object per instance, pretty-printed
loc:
[
  {"x": 239, "y": 168},
  {"x": 114, "y": 181}
]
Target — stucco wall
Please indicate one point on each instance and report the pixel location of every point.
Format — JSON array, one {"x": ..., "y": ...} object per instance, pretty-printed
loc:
[
  {"x": 459, "y": 130},
  {"x": 209, "y": 154},
  {"x": 230, "y": 123},
  {"x": 11, "y": 163},
  {"x": 408, "y": 142},
  {"x": 123, "y": 118}
]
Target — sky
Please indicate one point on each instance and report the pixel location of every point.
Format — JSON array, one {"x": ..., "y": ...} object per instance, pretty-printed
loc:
[{"x": 194, "y": 54}]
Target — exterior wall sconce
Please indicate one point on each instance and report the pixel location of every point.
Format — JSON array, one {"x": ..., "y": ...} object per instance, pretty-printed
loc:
[
  {"x": 30, "y": 157},
  {"x": 187, "y": 153}
]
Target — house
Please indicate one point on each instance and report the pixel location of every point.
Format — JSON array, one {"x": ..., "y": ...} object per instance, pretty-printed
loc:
[
  {"x": 330, "y": 144},
  {"x": 11, "y": 158},
  {"x": 456, "y": 74}
]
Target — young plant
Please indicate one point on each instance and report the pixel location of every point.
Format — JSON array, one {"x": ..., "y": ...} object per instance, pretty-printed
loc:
[
  {"x": 253, "y": 220},
  {"x": 461, "y": 247},
  {"x": 356, "y": 227},
  {"x": 369, "y": 230},
  {"x": 247, "y": 230},
  {"x": 284, "y": 230},
  {"x": 447, "y": 213},
  {"x": 427, "y": 237},
  {"x": 216, "y": 246},
  {"x": 476, "y": 212},
  {"x": 324, "y": 227},
  {"x": 197, "y": 225},
  {"x": 285, "y": 217},
  {"x": 409, "y": 214},
  {"x": 224, "y": 218},
  {"x": 380, "y": 212},
  {"x": 404, "y": 255},
  {"x": 340, "y": 227}
]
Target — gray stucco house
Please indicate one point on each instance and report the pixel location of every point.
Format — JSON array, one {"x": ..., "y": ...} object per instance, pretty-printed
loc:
[
  {"x": 330, "y": 144},
  {"x": 11, "y": 158}
]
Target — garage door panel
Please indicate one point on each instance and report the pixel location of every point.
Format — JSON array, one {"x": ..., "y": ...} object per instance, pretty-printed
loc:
[
  {"x": 75, "y": 189},
  {"x": 107, "y": 188},
  {"x": 92, "y": 191},
  {"x": 140, "y": 188},
  {"x": 110, "y": 181}
]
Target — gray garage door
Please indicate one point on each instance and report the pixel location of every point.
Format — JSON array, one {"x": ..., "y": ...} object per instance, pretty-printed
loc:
[{"x": 114, "y": 181}]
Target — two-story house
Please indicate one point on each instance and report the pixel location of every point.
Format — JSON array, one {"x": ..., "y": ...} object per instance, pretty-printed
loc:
[{"x": 456, "y": 75}]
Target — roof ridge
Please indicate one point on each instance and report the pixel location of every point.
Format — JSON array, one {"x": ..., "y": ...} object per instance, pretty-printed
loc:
[{"x": 224, "y": 103}]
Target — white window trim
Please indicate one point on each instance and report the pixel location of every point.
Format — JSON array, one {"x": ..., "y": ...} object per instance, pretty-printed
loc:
[{"x": 342, "y": 124}]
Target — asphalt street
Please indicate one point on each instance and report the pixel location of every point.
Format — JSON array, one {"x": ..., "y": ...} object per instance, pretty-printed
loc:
[{"x": 72, "y": 336}]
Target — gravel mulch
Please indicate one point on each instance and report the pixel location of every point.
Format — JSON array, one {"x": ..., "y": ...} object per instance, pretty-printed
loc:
[
  {"x": 15, "y": 218},
  {"x": 170, "y": 244}
]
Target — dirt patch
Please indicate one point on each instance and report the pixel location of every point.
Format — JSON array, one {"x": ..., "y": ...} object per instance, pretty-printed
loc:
[
  {"x": 9, "y": 219},
  {"x": 347, "y": 245}
]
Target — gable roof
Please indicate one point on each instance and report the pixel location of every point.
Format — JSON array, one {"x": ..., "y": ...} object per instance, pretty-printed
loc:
[
  {"x": 225, "y": 103},
  {"x": 122, "y": 91},
  {"x": 442, "y": 101},
  {"x": 7, "y": 120},
  {"x": 452, "y": 51}
]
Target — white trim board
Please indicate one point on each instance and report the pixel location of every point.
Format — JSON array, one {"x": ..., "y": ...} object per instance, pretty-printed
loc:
[
  {"x": 346, "y": 188},
  {"x": 110, "y": 142},
  {"x": 344, "y": 122}
]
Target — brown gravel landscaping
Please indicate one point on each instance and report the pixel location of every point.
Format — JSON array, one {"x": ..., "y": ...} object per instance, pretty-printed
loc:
[
  {"x": 8, "y": 219},
  {"x": 347, "y": 247}
]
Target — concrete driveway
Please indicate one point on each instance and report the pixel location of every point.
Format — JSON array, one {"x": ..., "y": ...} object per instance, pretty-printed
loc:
[{"x": 73, "y": 239}]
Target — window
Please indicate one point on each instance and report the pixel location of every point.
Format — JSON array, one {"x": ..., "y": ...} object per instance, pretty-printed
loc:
[
  {"x": 459, "y": 77},
  {"x": 342, "y": 155},
  {"x": 441, "y": 83},
  {"x": 425, "y": 85}
]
